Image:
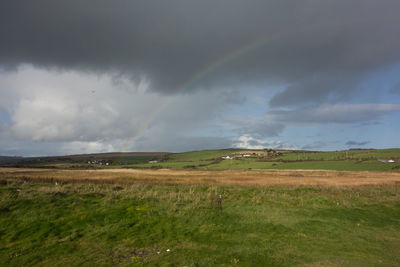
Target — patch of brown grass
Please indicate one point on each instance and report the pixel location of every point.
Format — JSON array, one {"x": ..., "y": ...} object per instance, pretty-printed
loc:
[{"x": 197, "y": 177}]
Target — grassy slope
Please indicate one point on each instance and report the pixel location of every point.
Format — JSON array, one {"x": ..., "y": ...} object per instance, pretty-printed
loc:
[
  {"x": 350, "y": 165},
  {"x": 353, "y": 160},
  {"x": 258, "y": 226},
  {"x": 342, "y": 155},
  {"x": 193, "y": 158}
]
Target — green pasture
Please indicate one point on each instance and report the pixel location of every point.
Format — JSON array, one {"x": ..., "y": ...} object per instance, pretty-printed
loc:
[
  {"x": 343, "y": 155},
  {"x": 350, "y": 160},
  {"x": 111, "y": 225},
  {"x": 203, "y": 155}
]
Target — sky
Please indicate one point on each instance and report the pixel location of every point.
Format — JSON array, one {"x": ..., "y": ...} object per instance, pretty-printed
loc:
[{"x": 180, "y": 75}]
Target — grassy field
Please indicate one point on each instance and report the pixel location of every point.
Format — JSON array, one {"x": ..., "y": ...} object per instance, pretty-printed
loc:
[
  {"x": 352, "y": 160},
  {"x": 343, "y": 155},
  {"x": 196, "y": 209},
  {"x": 345, "y": 165},
  {"x": 152, "y": 225},
  {"x": 349, "y": 160},
  {"x": 204, "y": 177}
]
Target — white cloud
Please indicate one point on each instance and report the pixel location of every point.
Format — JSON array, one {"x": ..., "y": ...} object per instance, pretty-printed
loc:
[
  {"x": 87, "y": 112},
  {"x": 249, "y": 142},
  {"x": 77, "y": 147},
  {"x": 68, "y": 106}
]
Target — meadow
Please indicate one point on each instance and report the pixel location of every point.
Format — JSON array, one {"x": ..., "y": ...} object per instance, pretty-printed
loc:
[
  {"x": 283, "y": 208},
  {"x": 198, "y": 218},
  {"x": 348, "y": 160},
  {"x": 147, "y": 225}
]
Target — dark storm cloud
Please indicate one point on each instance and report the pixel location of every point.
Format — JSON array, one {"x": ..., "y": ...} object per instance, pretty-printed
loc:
[
  {"x": 396, "y": 89},
  {"x": 181, "y": 143},
  {"x": 307, "y": 44},
  {"x": 338, "y": 113},
  {"x": 315, "y": 145},
  {"x": 259, "y": 129},
  {"x": 355, "y": 143},
  {"x": 316, "y": 89}
]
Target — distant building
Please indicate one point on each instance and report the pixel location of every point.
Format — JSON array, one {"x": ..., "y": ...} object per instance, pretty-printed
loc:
[
  {"x": 389, "y": 160},
  {"x": 249, "y": 153}
]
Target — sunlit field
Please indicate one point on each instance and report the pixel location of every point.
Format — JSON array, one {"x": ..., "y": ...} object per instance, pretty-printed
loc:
[
  {"x": 349, "y": 160},
  {"x": 181, "y": 218}
]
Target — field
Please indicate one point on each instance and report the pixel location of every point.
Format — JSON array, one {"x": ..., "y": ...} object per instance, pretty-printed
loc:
[
  {"x": 349, "y": 160},
  {"x": 254, "y": 208},
  {"x": 207, "y": 178},
  {"x": 130, "y": 217}
]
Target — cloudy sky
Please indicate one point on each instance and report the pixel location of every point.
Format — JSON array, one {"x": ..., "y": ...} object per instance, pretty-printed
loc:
[{"x": 178, "y": 75}]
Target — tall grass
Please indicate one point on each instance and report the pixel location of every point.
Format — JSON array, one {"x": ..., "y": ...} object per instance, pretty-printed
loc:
[{"x": 154, "y": 225}]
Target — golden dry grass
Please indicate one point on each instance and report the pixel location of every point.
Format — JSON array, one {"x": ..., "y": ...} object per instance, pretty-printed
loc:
[{"x": 195, "y": 177}]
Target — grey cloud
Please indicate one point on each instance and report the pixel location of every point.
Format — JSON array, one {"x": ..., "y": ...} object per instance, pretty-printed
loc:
[
  {"x": 337, "y": 113},
  {"x": 262, "y": 129},
  {"x": 355, "y": 143},
  {"x": 254, "y": 143},
  {"x": 255, "y": 126},
  {"x": 4, "y": 117},
  {"x": 193, "y": 111},
  {"x": 315, "y": 145},
  {"x": 318, "y": 88},
  {"x": 181, "y": 143},
  {"x": 209, "y": 55},
  {"x": 396, "y": 89},
  {"x": 28, "y": 148},
  {"x": 114, "y": 116},
  {"x": 169, "y": 42}
]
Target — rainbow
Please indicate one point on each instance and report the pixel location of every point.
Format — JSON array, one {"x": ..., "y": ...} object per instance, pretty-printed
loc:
[
  {"x": 195, "y": 78},
  {"x": 232, "y": 55}
]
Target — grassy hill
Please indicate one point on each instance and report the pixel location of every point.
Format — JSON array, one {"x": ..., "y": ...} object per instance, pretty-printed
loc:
[{"x": 350, "y": 160}]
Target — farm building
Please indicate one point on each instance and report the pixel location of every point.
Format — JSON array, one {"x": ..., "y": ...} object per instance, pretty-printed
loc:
[
  {"x": 389, "y": 160},
  {"x": 249, "y": 153}
]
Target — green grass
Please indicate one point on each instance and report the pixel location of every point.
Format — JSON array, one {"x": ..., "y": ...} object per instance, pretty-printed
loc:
[
  {"x": 343, "y": 155},
  {"x": 350, "y": 165},
  {"x": 202, "y": 155},
  {"x": 90, "y": 225},
  {"x": 241, "y": 164},
  {"x": 350, "y": 160},
  {"x": 193, "y": 159}
]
